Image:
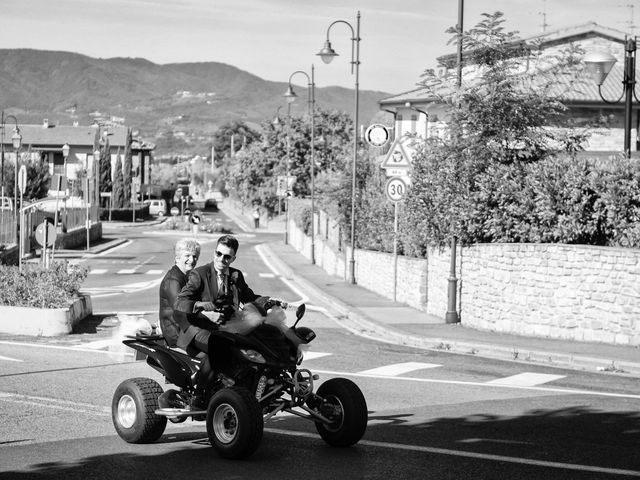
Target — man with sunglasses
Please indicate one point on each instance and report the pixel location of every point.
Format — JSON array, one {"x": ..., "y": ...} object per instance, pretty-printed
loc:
[{"x": 215, "y": 288}]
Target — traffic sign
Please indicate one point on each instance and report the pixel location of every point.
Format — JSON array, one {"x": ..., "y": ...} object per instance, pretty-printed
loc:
[
  {"x": 22, "y": 178},
  {"x": 175, "y": 211},
  {"x": 195, "y": 219},
  {"x": 395, "y": 189},
  {"x": 46, "y": 234},
  {"x": 377, "y": 135}
]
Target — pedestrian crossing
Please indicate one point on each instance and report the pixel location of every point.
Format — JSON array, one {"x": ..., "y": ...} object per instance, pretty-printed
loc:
[{"x": 126, "y": 271}]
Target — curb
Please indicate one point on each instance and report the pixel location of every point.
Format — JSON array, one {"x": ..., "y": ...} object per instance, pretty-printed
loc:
[{"x": 362, "y": 325}]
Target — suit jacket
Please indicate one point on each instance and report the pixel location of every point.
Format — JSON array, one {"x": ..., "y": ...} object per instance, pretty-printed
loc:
[
  {"x": 202, "y": 286},
  {"x": 172, "y": 321}
]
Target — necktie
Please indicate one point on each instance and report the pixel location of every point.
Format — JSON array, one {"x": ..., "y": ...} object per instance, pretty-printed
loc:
[{"x": 223, "y": 283}]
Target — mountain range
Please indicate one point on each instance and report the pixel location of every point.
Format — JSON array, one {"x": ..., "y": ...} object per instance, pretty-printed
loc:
[{"x": 189, "y": 101}]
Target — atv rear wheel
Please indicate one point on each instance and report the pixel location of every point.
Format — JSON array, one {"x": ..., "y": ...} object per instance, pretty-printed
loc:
[
  {"x": 234, "y": 422},
  {"x": 133, "y": 411},
  {"x": 343, "y": 404}
]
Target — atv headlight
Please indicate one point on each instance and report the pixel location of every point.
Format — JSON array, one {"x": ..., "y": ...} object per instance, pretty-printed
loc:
[{"x": 252, "y": 355}]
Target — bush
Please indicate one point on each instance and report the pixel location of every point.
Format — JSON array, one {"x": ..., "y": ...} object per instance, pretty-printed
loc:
[{"x": 37, "y": 287}]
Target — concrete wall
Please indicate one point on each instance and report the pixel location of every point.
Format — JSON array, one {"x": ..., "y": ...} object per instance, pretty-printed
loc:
[{"x": 577, "y": 292}]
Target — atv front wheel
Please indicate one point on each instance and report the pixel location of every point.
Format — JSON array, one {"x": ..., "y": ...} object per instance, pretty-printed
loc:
[
  {"x": 343, "y": 404},
  {"x": 133, "y": 411},
  {"x": 234, "y": 422}
]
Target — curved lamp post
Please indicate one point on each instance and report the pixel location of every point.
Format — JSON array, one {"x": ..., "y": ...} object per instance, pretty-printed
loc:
[
  {"x": 599, "y": 65},
  {"x": 327, "y": 54},
  {"x": 291, "y": 96},
  {"x": 16, "y": 141}
]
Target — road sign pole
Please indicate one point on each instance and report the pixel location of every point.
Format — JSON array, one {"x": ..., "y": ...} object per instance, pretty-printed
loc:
[{"x": 395, "y": 250}]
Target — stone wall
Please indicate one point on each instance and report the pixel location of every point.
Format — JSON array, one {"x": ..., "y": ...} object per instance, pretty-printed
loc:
[{"x": 577, "y": 292}]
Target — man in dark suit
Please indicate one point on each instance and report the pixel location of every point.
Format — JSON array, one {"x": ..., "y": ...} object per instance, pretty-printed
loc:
[
  {"x": 172, "y": 321},
  {"x": 208, "y": 289}
]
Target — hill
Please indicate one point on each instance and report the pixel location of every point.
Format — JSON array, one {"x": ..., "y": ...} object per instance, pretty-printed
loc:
[{"x": 188, "y": 99}]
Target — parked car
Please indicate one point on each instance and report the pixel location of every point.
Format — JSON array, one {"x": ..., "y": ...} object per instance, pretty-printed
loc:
[
  {"x": 157, "y": 206},
  {"x": 211, "y": 205}
]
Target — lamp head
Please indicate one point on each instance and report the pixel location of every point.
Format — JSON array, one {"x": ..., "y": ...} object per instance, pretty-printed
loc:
[
  {"x": 327, "y": 53},
  {"x": 599, "y": 64},
  {"x": 16, "y": 139},
  {"x": 65, "y": 150},
  {"x": 290, "y": 95}
]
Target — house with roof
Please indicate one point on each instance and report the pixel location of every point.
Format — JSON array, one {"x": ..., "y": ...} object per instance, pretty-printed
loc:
[
  {"x": 416, "y": 112},
  {"x": 45, "y": 142}
]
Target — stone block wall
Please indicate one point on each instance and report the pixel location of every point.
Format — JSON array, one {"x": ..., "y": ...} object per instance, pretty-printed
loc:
[{"x": 575, "y": 292}]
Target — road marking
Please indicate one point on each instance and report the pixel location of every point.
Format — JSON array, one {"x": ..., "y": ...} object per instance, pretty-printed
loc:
[
  {"x": 562, "y": 391},
  {"x": 55, "y": 403},
  {"x": 126, "y": 271},
  {"x": 9, "y": 359},
  {"x": 155, "y": 272},
  {"x": 79, "y": 348},
  {"x": 480, "y": 456},
  {"x": 312, "y": 355},
  {"x": 398, "y": 368},
  {"x": 526, "y": 379},
  {"x": 266, "y": 275},
  {"x": 98, "y": 271}
]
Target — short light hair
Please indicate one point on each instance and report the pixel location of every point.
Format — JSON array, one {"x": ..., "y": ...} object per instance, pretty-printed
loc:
[{"x": 187, "y": 245}]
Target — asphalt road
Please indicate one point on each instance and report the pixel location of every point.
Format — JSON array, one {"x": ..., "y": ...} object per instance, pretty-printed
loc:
[{"x": 431, "y": 414}]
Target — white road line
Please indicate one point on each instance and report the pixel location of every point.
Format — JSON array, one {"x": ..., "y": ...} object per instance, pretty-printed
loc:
[
  {"x": 9, "y": 359},
  {"x": 267, "y": 275},
  {"x": 398, "y": 368},
  {"x": 72, "y": 348},
  {"x": 155, "y": 272},
  {"x": 312, "y": 355},
  {"x": 98, "y": 271},
  {"x": 126, "y": 271},
  {"x": 561, "y": 391},
  {"x": 54, "y": 403},
  {"x": 480, "y": 456},
  {"x": 526, "y": 379}
]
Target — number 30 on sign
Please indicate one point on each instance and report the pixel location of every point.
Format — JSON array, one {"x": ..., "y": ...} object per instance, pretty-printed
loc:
[{"x": 395, "y": 189}]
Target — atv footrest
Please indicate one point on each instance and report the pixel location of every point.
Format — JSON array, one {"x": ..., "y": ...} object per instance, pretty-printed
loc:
[{"x": 178, "y": 412}]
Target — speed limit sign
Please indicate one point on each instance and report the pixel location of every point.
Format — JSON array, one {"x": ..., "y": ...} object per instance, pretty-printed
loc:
[{"x": 395, "y": 189}]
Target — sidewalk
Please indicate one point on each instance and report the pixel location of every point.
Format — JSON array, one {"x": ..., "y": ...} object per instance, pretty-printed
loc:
[{"x": 371, "y": 315}]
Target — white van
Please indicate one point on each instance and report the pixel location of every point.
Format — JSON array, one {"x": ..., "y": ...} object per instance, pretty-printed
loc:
[{"x": 157, "y": 206}]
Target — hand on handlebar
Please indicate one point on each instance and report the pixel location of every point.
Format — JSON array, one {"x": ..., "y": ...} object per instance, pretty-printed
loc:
[{"x": 279, "y": 302}]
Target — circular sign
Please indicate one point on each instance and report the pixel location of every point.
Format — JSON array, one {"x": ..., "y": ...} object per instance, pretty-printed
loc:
[
  {"x": 175, "y": 211},
  {"x": 377, "y": 135},
  {"x": 395, "y": 189},
  {"x": 46, "y": 234}
]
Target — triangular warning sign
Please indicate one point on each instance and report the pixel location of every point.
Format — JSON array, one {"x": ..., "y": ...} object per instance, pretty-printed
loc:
[{"x": 396, "y": 157}]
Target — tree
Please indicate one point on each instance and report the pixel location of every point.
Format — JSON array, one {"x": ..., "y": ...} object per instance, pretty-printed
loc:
[
  {"x": 127, "y": 169},
  {"x": 105, "y": 166},
  {"x": 498, "y": 122},
  {"x": 117, "y": 195}
]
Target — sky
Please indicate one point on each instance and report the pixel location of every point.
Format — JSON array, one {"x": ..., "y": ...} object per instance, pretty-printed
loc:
[{"x": 274, "y": 38}]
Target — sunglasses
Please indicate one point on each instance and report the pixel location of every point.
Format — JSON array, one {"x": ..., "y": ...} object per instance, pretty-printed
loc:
[{"x": 226, "y": 258}]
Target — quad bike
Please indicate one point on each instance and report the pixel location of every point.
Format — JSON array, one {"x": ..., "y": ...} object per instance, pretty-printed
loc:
[{"x": 257, "y": 375}]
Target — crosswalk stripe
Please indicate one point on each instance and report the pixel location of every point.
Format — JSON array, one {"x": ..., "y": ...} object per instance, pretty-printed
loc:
[
  {"x": 98, "y": 271},
  {"x": 267, "y": 275},
  {"x": 154, "y": 272},
  {"x": 526, "y": 379},
  {"x": 126, "y": 271},
  {"x": 399, "y": 368}
]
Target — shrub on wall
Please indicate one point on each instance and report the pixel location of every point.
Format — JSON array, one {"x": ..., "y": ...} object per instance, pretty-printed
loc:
[{"x": 34, "y": 286}]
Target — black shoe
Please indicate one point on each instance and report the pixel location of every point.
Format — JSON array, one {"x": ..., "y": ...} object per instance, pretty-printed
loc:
[
  {"x": 171, "y": 399},
  {"x": 198, "y": 402}
]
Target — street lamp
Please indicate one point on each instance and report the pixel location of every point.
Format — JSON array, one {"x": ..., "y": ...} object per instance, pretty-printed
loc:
[
  {"x": 96, "y": 179},
  {"x": 16, "y": 141},
  {"x": 599, "y": 65},
  {"x": 327, "y": 54},
  {"x": 291, "y": 96}
]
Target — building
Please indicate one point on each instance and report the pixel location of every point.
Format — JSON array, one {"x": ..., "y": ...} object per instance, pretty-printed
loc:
[
  {"x": 46, "y": 142},
  {"x": 416, "y": 112}
]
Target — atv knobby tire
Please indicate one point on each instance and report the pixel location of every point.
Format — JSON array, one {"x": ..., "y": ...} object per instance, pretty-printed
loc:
[
  {"x": 133, "y": 410},
  {"x": 343, "y": 403},
  {"x": 234, "y": 422}
]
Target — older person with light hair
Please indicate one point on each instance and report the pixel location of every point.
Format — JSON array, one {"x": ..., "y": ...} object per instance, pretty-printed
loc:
[{"x": 187, "y": 252}]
